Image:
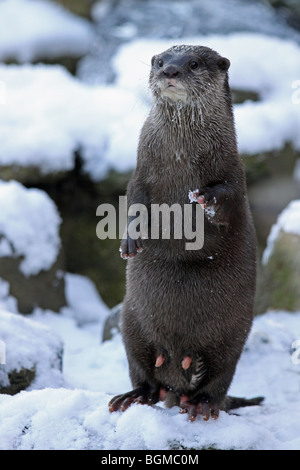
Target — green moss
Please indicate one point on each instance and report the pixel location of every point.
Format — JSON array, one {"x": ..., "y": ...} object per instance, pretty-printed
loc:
[
  {"x": 270, "y": 164},
  {"x": 284, "y": 273},
  {"x": 78, "y": 7},
  {"x": 176, "y": 445},
  {"x": 240, "y": 96},
  {"x": 255, "y": 167}
]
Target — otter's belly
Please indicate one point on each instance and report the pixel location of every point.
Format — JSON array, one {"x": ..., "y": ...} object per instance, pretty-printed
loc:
[{"x": 189, "y": 304}]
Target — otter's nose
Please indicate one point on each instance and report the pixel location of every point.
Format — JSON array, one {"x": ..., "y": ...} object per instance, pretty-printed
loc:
[{"x": 171, "y": 71}]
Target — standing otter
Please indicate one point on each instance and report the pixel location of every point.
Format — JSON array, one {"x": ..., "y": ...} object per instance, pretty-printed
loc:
[{"x": 187, "y": 313}]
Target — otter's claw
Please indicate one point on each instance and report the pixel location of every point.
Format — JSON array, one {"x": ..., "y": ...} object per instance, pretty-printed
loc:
[
  {"x": 129, "y": 247},
  {"x": 206, "y": 409},
  {"x": 139, "y": 395}
]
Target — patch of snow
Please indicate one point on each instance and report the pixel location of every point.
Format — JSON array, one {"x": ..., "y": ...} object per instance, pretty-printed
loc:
[
  {"x": 31, "y": 30},
  {"x": 29, "y": 227},
  {"x": 193, "y": 195},
  {"x": 5, "y": 248},
  {"x": 7, "y": 302},
  {"x": 30, "y": 345},
  {"x": 288, "y": 221},
  {"x": 84, "y": 299}
]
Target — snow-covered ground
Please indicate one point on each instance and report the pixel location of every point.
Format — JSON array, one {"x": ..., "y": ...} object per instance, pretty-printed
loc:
[
  {"x": 47, "y": 114},
  {"x": 72, "y": 412}
]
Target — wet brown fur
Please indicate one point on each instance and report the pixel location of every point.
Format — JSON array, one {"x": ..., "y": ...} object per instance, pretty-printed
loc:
[{"x": 178, "y": 302}]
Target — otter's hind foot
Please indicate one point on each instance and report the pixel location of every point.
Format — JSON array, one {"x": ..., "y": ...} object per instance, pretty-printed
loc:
[
  {"x": 203, "y": 408},
  {"x": 140, "y": 395}
]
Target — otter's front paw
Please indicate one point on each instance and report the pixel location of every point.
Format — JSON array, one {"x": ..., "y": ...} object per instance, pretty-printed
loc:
[
  {"x": 129, "y": 247},
  {"x": 140, "y": 395},
  {"x": 204, "y": 196}
]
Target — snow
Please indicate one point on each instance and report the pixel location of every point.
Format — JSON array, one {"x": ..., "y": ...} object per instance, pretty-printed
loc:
[
  {"x": 193, "y": 195},
  {"x": 29, "y": 227},
  {"x": 85, "y": 308},
  {"x": 69, "y": 411},
  {"x": 48, "y": 114},
  {"x": 31, "y": 30},
  {"x": 288, "y": 221}
]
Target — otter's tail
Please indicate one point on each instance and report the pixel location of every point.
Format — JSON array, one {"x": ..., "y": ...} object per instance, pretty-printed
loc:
[{"x": 231, "y": 403}]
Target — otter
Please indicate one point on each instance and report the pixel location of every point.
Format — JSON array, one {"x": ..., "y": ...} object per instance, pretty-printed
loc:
[{"x": 187, "y": 313}]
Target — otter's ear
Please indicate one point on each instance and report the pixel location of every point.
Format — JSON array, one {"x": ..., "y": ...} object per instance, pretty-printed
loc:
[
  {"x": 153, "y": 60},
  {"x": 223, "y": 64}
]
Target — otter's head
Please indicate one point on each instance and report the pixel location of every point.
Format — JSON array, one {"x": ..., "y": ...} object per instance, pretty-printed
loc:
[{"x": 188, "y": 74}]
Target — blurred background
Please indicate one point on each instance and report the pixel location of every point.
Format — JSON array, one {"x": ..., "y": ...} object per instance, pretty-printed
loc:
[{"x": 73, "y": 98}]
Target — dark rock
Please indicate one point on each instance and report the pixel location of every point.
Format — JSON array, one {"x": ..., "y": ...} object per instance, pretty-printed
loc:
[
  {"x": 28, "y": 175},
  {"x": 112, "y": 323},
  {"x": 240, "y": 96},
  {"x": 31, "y": 354},
  {"x": 271, "y": 186},
  {"x": 19, "y": 380},
  {"x": 45, "y": 290}
]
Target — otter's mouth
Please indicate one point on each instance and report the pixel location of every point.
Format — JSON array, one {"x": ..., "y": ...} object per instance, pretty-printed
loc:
[
  {"x": 171, "y": 83},
  {"x": 174, "y": 90}
]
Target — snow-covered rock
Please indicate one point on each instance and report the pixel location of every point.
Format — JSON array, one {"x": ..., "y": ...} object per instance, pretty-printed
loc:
[
  {"x": 29, "y": 227},
  {"x": 287, "y": 222},
  {"x": 48, "y": 115},
  {"x": 31, "y": 354},
  {"x": 281, "y": 260},
  {"x": 112, "y": 323},
  {"x": 30, "y": 247}
]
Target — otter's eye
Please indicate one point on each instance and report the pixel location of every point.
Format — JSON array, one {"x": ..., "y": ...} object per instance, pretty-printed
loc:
[
  {"x": 194, "y": 65},
  {"x": 160, "y": 62}
]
